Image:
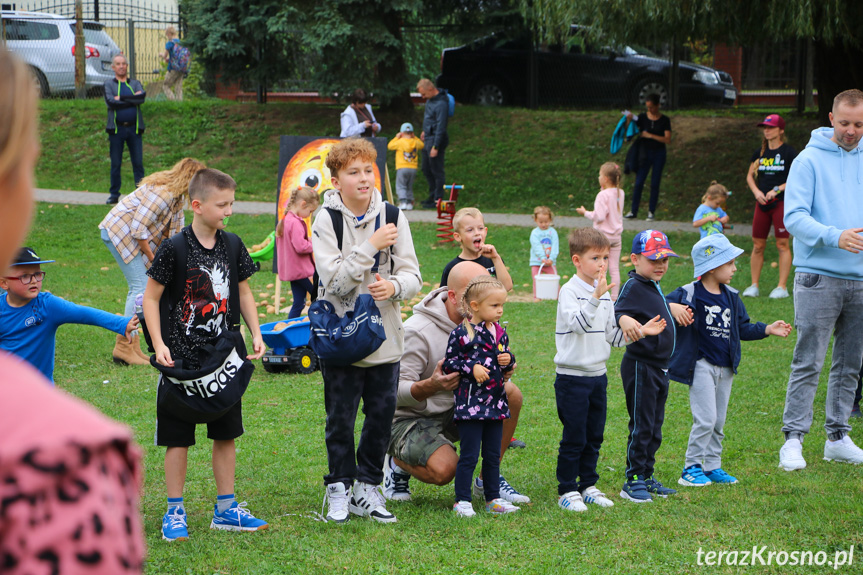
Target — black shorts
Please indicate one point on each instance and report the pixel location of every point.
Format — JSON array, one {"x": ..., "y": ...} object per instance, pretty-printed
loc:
[{"x": 174, "y": 432}]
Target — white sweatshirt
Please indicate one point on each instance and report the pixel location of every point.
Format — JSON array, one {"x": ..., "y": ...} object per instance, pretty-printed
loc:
[{"x": 585, "y": 330}]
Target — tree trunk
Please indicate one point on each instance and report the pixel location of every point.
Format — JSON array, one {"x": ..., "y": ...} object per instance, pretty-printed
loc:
[
  {"x": 393, "y": 70},
  {"x": 838, "y": 69}
]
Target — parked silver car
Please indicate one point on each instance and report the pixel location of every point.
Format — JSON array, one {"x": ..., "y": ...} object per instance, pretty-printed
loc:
[{"x": 47, "y": 43}]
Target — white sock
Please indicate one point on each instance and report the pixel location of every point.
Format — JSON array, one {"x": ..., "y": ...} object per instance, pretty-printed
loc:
[{"x": 395, "y": 467}]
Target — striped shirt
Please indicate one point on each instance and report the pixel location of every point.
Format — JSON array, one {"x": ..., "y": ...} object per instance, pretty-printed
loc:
[{"x": 148, "y": 213}]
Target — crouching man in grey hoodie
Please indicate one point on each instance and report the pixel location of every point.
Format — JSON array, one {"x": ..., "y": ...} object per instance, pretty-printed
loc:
[{"x": 423, "y": 432}]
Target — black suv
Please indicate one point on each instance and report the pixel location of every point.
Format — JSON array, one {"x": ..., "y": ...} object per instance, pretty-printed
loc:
[{"x": 495, "y": 71}]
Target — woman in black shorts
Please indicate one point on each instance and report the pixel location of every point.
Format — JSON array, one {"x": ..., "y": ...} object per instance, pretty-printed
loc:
[{"x": 767, "y": 175}]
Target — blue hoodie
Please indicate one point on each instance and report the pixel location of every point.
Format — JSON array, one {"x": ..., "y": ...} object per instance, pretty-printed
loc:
[{"x": 823, "y": 198}]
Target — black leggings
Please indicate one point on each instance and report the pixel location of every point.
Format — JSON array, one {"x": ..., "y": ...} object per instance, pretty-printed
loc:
[{"x": 299, "y": 289}]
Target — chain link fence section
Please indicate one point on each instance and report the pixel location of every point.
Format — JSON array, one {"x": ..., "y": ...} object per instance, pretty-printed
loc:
[{"x": 43, "y": 35}]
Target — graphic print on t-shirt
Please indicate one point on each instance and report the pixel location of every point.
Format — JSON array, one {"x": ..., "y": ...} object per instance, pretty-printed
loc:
[
  {"x": 717, "y": 321},
  {"x": 205, "y": 304}
]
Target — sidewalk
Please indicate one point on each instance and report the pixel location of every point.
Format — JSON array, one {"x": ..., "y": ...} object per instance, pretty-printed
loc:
[{"x": 428, "y": 216}]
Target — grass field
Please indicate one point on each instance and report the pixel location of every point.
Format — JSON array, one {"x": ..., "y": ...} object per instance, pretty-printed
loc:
[
  {"x": 510, "y": 160},
  {"x": 281, "y": 458}
]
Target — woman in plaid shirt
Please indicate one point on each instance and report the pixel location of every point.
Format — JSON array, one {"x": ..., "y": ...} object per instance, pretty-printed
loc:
[{"x": 136, "y": 226}]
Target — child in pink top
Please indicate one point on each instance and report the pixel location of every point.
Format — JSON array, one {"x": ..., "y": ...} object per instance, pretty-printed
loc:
[
  {"x": 607, "y": 216},
  {"x": 294, "y": 247}
]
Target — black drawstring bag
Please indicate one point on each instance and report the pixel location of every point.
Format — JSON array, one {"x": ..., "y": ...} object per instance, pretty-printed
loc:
[{"x": 206, "y": 394}]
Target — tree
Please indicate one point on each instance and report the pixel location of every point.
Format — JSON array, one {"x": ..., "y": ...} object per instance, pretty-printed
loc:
[{"x": 833, "y": 24}]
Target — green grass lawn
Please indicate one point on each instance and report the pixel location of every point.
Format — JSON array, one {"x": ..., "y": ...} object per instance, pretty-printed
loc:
[
  {"x": 510, "y": 160},
  {"x": 282, "y": 459}
]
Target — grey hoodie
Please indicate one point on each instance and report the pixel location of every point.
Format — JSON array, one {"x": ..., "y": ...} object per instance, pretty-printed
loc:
[
  {"x": 346, "y": 274},
  {"x": 426, "y": 336}
]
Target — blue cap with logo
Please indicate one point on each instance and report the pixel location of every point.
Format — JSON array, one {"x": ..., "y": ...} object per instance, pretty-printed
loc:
[
  {"x": 653, "y": 245},
  {"x": 407, "y": 127}
]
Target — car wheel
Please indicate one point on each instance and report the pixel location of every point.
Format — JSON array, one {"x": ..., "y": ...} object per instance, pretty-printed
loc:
[
  {"x": 490, "y": 93},
  {"x": 41, "y": 83},
  {"x": 648, "y": 86}
]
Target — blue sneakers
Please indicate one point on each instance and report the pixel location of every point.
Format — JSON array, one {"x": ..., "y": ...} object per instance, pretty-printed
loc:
[
  {"x": 174, "y": 526},
  {"x": 718, "y": 475},
  {"x": 656, "y": 488},
  {"x": 635, "y": 490},
  {"x": 693, "y": 476},
  {"x": 236, "y": 518}
]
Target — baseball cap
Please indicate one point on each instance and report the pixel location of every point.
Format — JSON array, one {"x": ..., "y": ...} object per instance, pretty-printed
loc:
[
  {"x": 653, "y": 245},
  {"x": 27, "y": 256},
  {"x": 712, "y": 251},
  {"x": 774, "y": 120},
  {"x": 406, "y": 127}
]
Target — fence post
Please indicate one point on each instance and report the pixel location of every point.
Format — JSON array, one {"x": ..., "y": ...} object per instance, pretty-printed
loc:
[
  {"x": 80, "y": 61},
  {"x": 133, "y": 68}
]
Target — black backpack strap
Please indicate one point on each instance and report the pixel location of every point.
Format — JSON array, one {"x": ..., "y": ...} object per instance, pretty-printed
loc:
[
  {"x": 233, "y": 243},
  {"x": 392, "y": 217},
  {"x": 338, "y": 225}
]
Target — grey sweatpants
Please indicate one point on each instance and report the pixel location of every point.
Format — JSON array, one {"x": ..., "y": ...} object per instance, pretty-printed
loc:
[
  {"x": 824, "y": 305},
  {"x": 708, "y": 400},
  {"x": 405, "y": 184}
]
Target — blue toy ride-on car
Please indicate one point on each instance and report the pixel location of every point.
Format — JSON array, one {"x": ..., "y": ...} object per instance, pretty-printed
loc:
[{"x": 288, "y": 341}]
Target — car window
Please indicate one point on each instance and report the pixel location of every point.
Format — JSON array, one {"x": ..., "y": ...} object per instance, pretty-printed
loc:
[
  {"x": 95, "y": 34},
  {"x": 17, "y": 29}
]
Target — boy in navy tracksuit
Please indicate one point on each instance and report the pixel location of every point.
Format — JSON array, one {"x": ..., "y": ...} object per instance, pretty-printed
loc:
[
  {"x": 708, "y": 353},
  {"x": 644, "y": 369}
]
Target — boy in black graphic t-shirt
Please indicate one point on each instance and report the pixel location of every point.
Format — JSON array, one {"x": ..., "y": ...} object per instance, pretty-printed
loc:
[{"x": 198, "y": 319}]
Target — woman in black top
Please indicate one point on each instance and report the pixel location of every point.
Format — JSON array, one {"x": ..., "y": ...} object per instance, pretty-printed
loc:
[
  {"x": 655, "y": 134},
  {"x": 768, "y": 172}
]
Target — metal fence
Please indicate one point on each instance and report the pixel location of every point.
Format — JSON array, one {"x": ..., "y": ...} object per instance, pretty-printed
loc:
[{"x": 42, "y": 32}]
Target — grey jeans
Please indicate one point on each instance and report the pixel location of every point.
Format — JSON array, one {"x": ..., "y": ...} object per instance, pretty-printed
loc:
[
  {"x": 708, "y": 401},
  {"x": 824, "y": 305},
  {"x": 405, "y": 184}
]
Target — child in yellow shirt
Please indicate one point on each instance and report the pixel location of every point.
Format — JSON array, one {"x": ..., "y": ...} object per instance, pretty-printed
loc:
[{"x": 406, "y": 146}]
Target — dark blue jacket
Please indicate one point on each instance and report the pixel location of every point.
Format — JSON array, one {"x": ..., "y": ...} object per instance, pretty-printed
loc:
[
  {"x": 111, "y": 89},
  {"x": 435, "y": 121},
  {"x": 683, "y": 363},
  {"x": 642, "y": 299}
]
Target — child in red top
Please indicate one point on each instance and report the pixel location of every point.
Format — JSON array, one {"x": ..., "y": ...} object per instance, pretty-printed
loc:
[{"x": 294, "y": 247}]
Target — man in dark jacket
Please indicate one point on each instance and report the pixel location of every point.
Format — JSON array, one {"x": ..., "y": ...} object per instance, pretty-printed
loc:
[
  {"x": 435, "y": 137},
  {"x": 125, "y": 123}
]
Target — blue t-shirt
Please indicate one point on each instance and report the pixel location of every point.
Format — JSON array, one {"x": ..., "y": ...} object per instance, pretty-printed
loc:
[
  {"x": 713, "y": 318},
  {"x": 30, "y": 331},
  {"x": 709, "y": 228}
]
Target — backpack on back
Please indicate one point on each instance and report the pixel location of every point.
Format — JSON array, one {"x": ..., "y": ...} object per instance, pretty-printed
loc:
[{"x": 180, "y": 58}]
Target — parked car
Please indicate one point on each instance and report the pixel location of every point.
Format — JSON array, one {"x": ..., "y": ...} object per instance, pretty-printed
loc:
[
  {"x": 47, "y": 43},
  {"x": 495, "y": 71}
]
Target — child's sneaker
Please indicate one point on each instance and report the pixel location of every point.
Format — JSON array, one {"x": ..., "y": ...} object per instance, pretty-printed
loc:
[
  {"x": 500, "y": 506},
  {"x": 509, "y": 493},
  {"x": 368, "y": 501},
  {"x": 596, "y": 497},
  {"x": 657, "y": 488},
  {"x": 751, "y": 291},
  {"x": 635, "y": 490},
  {"x": 403, "y": 205},
  {"x": 396, "y": 486},
  {"x": 236, "y": 518},
  {"x": 693, "y": 476},
  {"x": 719, "y": 475},
  {"x": 571, "y": 501},
  {"x": 409, "y": 206},
  {"x": 517, "y": 443},
  {"x": 337, "y": 498},
  {"x": 463, "y": 509},
  {"x": 174, "y": 526},
  {"x": 843, "y": 450}
]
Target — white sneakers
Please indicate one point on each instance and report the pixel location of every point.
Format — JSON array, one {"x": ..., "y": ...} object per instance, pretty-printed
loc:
[
  {"x": 778, "y": 293},
  {"x": 368, "y": 501},
  {"x": 406, "y": 206},
  {"x": 463, "y": 509},
  {"x": 751, "y": 291},
  {"x": 337, "y": 498},
  {"x": 594, "y": 496},
  {"x": 571, "y": 501},
  {"x": 396, "y": 483},
  {"x": 843, "y": 451},
  {"x": 791, "y": 455},
  {"x": 506, "y": 490}
]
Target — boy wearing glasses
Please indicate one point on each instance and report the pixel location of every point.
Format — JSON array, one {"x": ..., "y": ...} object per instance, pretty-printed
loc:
[{"x": 29, "y": 318}]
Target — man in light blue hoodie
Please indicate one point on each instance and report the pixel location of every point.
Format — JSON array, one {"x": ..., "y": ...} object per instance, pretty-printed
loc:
[{"x": 824, "y": 213}]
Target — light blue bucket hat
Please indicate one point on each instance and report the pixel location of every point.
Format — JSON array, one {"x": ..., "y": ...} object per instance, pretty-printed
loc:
[{"x": 711, "y": 252}]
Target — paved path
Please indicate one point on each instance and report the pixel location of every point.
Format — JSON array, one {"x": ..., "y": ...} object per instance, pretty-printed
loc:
[{"x": 67, "y": 197}]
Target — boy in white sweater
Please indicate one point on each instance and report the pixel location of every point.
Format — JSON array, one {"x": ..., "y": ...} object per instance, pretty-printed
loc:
[{"x": 584, "y": 334}]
